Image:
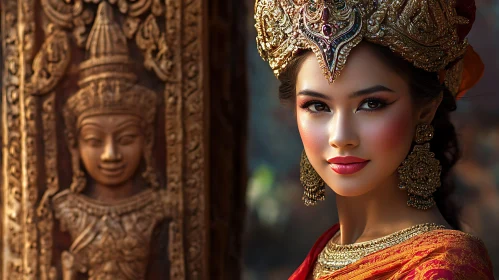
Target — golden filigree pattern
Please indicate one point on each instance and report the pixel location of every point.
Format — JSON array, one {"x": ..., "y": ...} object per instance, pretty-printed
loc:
[
  {"x": 423, "y": 32},
  {"x": 420, "y": 172},
  {"x": 314, "y": 186},
  {"x": 437, "y": 254},
  {"x": 453, "y": 76},
  {"x": 335, "y": 256}
]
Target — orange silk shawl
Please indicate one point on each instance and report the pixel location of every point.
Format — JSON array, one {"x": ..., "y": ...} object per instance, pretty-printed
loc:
[{"x": 439, "y": 254}]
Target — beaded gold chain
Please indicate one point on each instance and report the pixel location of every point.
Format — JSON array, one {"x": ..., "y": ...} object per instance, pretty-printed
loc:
[{"x": 335, "y": 256}]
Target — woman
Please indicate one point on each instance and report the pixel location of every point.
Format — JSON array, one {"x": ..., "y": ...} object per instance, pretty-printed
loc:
[{"x": 372, "y": 84}]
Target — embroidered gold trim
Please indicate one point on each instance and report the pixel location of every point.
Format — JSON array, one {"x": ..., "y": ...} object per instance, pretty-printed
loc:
[{"x": 335, "y": 256}]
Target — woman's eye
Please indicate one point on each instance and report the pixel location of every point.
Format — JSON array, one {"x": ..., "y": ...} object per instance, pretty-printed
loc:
[
  {"x": 317, "y": 107},
  {"x": 371, "y": 105}
]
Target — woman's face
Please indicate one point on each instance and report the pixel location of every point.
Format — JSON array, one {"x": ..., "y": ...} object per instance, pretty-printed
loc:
[
  {"x": 357, "y": 130},
  {"x": 111, "y": 147}
]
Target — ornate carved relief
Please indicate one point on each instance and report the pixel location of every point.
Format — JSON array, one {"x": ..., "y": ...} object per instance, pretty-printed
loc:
[
  {"x": 19, "y": 131},
  {"x": 192, "y": 90},
  {"x": 152, "y": 41},
  {"x": 12, "y": 229},
  {"x": 174, "y": 134},
  {"x": 157, "y": 54},
  {"x": 169, "y": 35},
  {"x": 51, "y": 62},
  {"x": 49, "y": 66},
  {"x": 44, "y": 210},
  {"x": 110, "y": 241},
  {"x": 109, "y": 124}
]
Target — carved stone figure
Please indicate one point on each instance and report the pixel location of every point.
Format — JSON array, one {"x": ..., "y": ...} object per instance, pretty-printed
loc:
[{"x": 114, "y": 201}]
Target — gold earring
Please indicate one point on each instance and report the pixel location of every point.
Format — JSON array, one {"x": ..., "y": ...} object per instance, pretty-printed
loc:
[
  {"x": 420, "y": 172},
  {"x": 314, "y": 186}
]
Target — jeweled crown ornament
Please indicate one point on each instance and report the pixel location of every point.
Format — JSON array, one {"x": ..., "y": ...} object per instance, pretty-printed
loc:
[{"x": 422, "y": 32}]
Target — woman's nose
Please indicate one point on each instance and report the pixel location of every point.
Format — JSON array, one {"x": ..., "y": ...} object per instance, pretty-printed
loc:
[{"x": 343, "y": 132}]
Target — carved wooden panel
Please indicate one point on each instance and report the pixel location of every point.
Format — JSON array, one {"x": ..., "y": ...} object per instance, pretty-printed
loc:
[{"x": 68, "y": 61}]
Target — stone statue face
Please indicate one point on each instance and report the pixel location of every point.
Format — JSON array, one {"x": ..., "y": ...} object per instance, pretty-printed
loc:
[{"x": 111, "y": 147}]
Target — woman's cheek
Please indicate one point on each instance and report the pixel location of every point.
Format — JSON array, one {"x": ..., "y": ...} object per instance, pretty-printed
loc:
[
  {"x": 313, "y": 134},
  {"x": 390, "y": 133}
]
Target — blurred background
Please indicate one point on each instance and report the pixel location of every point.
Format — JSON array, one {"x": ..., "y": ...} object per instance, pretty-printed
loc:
[{"x": 280, "y": 230}]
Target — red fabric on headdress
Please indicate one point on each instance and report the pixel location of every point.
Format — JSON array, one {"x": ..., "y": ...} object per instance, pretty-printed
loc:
[
  {"x": 473, "y": 65},
  {"x": 472, "y": 71}
]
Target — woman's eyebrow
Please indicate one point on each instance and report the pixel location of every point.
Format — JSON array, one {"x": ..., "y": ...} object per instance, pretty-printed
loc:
[
  {"x": 373, "y": 89},
  {"x": 362, "y": 92},
  {"x": 312, "y": 93}
]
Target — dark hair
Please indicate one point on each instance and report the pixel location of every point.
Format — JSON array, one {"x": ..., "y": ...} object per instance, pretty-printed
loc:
[{"x": 424, "y": 87}]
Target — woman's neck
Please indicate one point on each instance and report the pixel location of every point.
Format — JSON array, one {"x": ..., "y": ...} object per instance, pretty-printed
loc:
[{"x": 380, "y": 212}]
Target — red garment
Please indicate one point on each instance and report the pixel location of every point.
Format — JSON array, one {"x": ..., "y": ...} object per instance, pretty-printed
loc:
[
  {"x": 308, "y": 264},
  {"x": 438, "y": 254}
]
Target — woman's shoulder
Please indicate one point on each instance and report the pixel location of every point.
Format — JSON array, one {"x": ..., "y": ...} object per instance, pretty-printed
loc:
[
  {"x": 449, "y": 254},
  {"x": 449, "y": 240}
]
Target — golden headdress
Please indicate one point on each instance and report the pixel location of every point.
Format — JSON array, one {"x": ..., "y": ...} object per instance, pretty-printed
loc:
[
  {"x": 424, "y": 32},
  {"x": 107, "y": 81}
]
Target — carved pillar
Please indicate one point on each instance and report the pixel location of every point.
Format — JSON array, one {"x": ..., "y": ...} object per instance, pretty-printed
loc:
[{"x": 45, "y": 44}]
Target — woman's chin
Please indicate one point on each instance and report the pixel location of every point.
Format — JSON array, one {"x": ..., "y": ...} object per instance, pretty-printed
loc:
[{"x": 350, "y": 190}]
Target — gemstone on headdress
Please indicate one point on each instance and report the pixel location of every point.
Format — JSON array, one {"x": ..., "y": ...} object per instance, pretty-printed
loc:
[
  {"x": 327, "y": 30},
  {"x": 325, "y": 14}
]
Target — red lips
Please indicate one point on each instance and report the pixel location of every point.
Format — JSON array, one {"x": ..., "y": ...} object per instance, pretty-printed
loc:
[{"x": 347, "y": 165}]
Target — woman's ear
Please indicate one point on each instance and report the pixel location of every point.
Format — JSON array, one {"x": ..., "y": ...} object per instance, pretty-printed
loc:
[{"x": 427, "y": 111}]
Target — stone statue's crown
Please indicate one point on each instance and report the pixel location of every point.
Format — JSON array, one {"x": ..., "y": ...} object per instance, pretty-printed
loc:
[{"x": 107, "y": 82}]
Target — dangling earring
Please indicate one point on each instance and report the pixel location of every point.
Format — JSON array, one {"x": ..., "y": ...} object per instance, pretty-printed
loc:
[
  {"x": 420, "y": 172},
  {"x": 314, "y": 186}
]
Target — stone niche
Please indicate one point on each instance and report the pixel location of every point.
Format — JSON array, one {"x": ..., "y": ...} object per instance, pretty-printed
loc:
[
  {"x": 123, "y": 139},
  {"x": 103, "y": 140}
]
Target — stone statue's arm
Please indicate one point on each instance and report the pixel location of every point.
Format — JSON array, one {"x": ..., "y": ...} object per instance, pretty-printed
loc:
[{"x": 68, "y": 266}]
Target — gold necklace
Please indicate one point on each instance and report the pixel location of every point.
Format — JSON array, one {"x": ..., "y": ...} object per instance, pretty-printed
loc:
[{"x": 335, "y": 256}]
